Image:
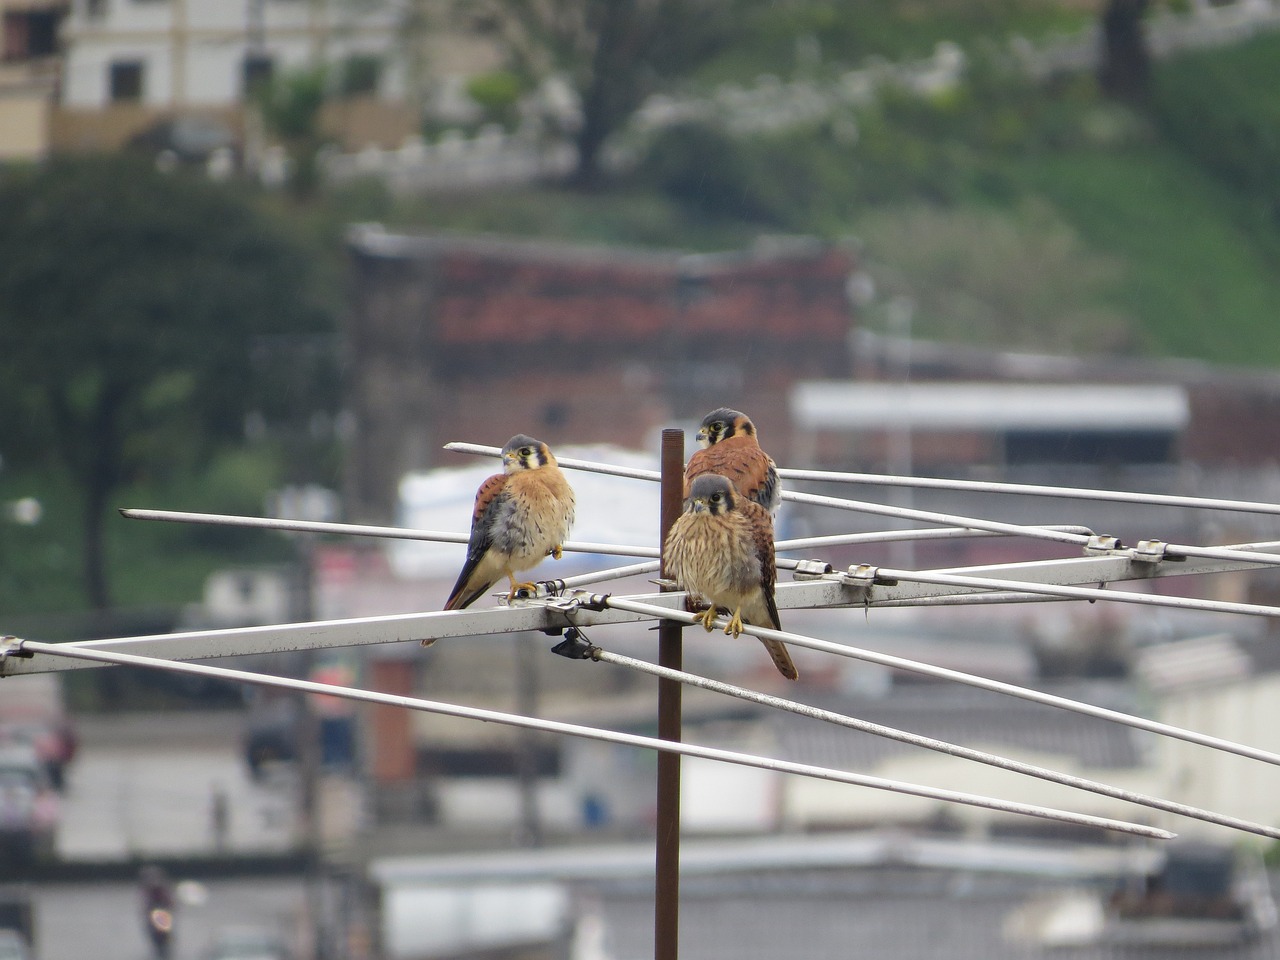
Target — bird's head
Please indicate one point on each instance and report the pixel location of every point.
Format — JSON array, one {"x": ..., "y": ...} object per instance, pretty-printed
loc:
[
  {"x": 711, "y": 494},
  {"x": 722, "y": 424},
  {"x": 525, "y": 453}
]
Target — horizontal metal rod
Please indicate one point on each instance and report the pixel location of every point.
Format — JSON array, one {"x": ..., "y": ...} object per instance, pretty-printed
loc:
[
  {"x": 1080, "y": 593},
  {"x": 956, "y": 676},
  {"x": 895, "y": 536},
  {"x": 444, "y": 536},
  {"x": 1035, "y": 490},
  {"x": 358, "y": 530},
  {"x": 594, "y": 733},
  {"x": 929, "y": 743}
]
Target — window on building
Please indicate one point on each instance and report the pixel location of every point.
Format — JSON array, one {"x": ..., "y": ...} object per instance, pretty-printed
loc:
[
  {"x": 256, "y": 72},
  {"x": 30, "y": 33},
  {"x": 126, "y": 81}
]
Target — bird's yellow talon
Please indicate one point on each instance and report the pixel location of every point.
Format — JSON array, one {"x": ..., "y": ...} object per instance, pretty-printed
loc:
[
  {"x": 734, "y": 626},
  {"x": 557, "y": 552},
  {"x": 707, "y": 619},
  {"x": 517, "y": 586}
]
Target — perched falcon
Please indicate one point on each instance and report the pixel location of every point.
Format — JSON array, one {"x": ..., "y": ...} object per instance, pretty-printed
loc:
[
  {"x": 721, "y": 549},
  {"x": 730, "y": 448},
  {"x": 521, "y": 515}
]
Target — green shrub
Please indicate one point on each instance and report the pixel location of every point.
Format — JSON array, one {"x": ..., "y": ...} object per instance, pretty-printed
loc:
[{"x": 497, "y": 93}]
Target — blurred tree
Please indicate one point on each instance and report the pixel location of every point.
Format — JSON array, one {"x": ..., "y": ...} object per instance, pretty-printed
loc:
[
  {"x": 141, "y": 323},
  {"x": 613, "y": 53},
  {"x": 289, "y": 104},
  {"x": 1124, "y": 71}
]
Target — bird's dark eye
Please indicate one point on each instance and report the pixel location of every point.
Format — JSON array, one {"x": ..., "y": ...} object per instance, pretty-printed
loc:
[
  {"x": 526, "y": 451},
  {"x": 717, "y": 426},
  {"x": 716, "y": 498}
]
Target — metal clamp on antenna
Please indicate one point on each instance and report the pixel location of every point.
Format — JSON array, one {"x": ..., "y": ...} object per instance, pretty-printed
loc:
[
  {"x": 810, "y": 570},
  {"x": 862, "y": 577},
  {"x": 576, "y": 646},
  {"x": 1150, "y": 551},
  {"x": 12, "y": 647},
  {"x": 1100, "y": 545}
]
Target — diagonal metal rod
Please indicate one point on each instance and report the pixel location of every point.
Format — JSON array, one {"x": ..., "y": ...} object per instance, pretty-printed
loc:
[
  {"x": 28, "y": 647},
  {"x": 937, "y": 483},
  {"x": 1035, "y": 490},
  {"x": 929, "y": 743},
  {"x": 957, "y": 676},
  {"x": 860, "y": 506},
  {"x": 782, "y": 563},
  {"x": 1056, "y": 534}
]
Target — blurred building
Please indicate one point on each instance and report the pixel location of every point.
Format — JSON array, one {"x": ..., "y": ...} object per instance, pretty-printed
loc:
[
  {"x": 30, "y": 67},
  {"x": 131, "y": 64},
  {"x": 468, "y": 337}
]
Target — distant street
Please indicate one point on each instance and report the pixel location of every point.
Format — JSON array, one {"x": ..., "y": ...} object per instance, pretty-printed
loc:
[
  {"x": 144, "y": 784},
  {"x": 103, "y": 921}
]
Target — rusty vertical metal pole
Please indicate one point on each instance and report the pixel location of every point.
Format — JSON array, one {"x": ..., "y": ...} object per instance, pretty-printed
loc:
[{"x": 666, "y": 925}]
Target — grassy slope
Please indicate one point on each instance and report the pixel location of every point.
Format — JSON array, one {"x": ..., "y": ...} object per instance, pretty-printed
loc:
[{"x": 1196, "y": 278}]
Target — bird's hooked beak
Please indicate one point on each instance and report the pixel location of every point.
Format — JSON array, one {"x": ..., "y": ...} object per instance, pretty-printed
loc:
[
  {"x": 703, "y": 437},
  {"x": 698, "y": 505}
]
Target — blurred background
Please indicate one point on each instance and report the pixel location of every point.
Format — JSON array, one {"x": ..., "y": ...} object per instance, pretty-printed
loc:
[{"x": 265, "y": 257}]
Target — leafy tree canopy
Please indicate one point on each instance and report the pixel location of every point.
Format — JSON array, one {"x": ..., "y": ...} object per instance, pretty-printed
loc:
[{"x": 143, "y": 317}]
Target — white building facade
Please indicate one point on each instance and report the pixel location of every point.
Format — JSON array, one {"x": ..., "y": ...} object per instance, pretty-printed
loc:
[{"x": 172, "y": 54}]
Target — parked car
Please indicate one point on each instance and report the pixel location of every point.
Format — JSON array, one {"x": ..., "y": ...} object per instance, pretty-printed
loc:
[
  {"x": 29, "y": 808},
  {"x": 32, "y": 712}
]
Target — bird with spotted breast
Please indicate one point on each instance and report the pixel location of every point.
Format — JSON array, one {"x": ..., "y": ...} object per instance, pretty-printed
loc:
[
  {"x": 521, "y": 515},
  {"x": 720, "y": 549},
  {"x": 729, "y": 447}
]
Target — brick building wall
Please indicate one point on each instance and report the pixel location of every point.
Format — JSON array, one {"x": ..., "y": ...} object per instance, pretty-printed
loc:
[{"x": 473, "y": 338}]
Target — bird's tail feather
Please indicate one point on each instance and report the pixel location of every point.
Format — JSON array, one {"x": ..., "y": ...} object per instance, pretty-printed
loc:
[{"x": 781, "y": 658}]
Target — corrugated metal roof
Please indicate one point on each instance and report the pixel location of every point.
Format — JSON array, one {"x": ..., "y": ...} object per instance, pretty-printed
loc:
[
  {"x": 1198, "y": 662},
  {"x": 842, "y": 405},
  {"x": 969, "y": 718}
]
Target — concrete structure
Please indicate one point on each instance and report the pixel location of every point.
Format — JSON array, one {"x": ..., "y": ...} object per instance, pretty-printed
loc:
[{"x": 1226, "y": 687}]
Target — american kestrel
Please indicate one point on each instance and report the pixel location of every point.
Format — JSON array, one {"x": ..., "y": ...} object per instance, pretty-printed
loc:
[
  {"x": 730, "y": 448},
  {"x": 721, "y": 549},
  {"x": 521, "y": 515}
]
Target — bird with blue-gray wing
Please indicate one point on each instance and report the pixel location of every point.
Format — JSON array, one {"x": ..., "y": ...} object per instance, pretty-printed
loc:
[{"x": 521, "y": 515}]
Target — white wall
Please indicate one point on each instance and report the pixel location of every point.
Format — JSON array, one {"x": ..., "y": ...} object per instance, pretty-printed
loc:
[{"x": 209, "y": 39}]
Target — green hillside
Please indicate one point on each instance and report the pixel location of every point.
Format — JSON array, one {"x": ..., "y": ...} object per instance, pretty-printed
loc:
[{"x": 1041, "y": 217}]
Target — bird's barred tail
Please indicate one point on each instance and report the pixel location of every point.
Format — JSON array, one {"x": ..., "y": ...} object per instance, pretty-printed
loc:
[{"x": 781, "y": 659}]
